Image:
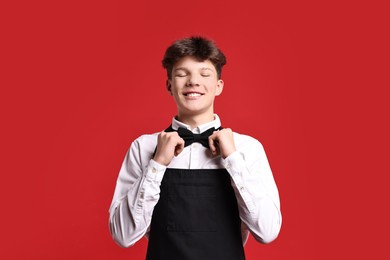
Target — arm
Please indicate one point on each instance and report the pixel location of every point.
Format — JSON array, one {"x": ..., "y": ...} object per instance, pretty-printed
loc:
[
  {"x": 252, "y": 181},
  {"x": 138, "y": 186},
  {"x": 255, "y": 189},
  {"x": 137, "y": 192}
]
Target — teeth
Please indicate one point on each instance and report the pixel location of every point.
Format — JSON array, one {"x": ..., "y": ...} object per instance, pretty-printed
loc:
[{"x": 193, "y": 95}]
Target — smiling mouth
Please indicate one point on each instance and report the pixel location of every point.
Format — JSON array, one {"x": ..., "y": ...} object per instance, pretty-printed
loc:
[{"x": 193, "y": 94}]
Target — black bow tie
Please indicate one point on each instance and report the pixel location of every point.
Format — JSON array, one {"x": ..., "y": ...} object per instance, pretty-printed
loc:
[{"x": 190, "y": 137}]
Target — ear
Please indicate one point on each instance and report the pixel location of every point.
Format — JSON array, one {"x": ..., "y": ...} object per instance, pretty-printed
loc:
[
  {"x": 168, "y": 85},
  {"x": 219, "y": 87}
]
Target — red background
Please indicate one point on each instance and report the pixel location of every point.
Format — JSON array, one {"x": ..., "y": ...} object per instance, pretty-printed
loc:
[{"x": 81, "y": 79}]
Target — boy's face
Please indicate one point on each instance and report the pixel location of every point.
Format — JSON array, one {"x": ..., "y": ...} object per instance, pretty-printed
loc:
[{"x": 194, "y": 85}]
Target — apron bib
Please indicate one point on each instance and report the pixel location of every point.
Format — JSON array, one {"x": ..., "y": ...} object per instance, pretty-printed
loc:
[{"x": 196, "y": 217}]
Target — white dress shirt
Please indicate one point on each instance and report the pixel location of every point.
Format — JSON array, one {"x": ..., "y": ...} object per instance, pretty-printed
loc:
[{"x": 138, "y": 186}]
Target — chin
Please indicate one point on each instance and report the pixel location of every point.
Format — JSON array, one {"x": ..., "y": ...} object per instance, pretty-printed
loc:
[{"x": 194, "y": 111}]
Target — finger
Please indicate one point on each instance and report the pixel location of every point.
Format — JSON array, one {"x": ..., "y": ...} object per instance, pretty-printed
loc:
[
  {"x": 160, "y": 139},
  {"x": 160, "y": 135},
  {"x": 179, "y": 147},
  {"x": 212, "y": 146}
]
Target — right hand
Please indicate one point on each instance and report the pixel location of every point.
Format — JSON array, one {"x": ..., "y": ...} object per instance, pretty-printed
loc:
[{"x": 168, "y": 145}]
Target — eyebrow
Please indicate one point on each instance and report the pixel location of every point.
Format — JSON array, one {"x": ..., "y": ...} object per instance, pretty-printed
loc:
[
  {"x": 203, "y": 68},
  {"x": 180, "y": 68}
]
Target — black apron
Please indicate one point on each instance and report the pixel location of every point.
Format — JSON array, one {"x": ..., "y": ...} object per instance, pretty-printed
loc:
[{"x": 196, "y": 218}]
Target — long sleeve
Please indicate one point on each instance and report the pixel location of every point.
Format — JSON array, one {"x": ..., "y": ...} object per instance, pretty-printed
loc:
[
  {"x": 255, "y": 188},
  {"x": 138, "y": 186},
  {"x": 137, "y": 192}
]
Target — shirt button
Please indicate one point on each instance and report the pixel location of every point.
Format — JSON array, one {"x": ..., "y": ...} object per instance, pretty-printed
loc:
[
  {"x": 154, "y": 170},
  {"x": 228, "y": 166}
]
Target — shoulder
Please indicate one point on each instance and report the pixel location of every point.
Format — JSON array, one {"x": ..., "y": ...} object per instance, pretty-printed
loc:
[
  {"x": 243, "y": 141},
  {"x": 146, "y": 143},
  {"x": 145, "y": 138},
  {"x": 250, "y": 148}
]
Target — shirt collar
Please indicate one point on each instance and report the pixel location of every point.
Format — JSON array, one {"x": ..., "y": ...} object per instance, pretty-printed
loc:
[{"x": 216, "y": 123}]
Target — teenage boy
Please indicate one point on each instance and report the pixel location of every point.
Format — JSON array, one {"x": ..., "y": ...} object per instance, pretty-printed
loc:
[{"x": 195, "y": 190}]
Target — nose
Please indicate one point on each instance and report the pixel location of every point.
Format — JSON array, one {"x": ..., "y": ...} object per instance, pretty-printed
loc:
[{"x": 192, "y": 81}]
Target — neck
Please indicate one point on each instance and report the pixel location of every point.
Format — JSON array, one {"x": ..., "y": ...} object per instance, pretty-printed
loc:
[{"x": 195, "y": 120}]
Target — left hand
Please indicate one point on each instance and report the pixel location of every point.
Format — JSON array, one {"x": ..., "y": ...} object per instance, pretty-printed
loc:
[{"x": 222, "y": 142}]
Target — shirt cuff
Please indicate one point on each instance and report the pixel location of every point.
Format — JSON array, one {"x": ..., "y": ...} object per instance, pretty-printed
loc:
[{"x": 155, "y": 171}]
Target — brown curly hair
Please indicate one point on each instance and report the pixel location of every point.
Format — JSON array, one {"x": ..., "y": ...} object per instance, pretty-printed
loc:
[{"x": 196, "y": 46}]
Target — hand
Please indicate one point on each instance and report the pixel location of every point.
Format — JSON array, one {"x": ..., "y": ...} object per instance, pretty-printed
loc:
[
  {"x": 168, "y": 145},
  {"x": 222, "y": 142}
]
